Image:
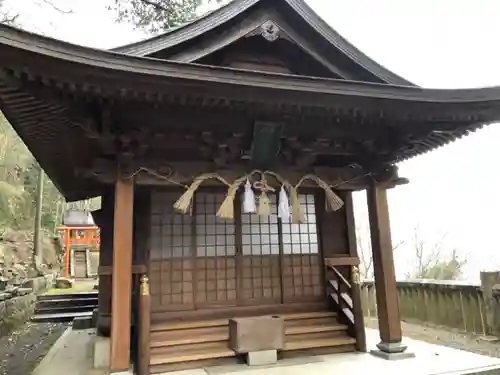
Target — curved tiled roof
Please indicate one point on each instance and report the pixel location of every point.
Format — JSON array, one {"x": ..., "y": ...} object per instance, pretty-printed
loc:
[
  {"x": 233, "y": 9},
  {"x": 436, "y": 116}
]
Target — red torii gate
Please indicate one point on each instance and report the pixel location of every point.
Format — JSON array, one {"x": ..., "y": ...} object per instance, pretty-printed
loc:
[{"x": 90, "y": 238}]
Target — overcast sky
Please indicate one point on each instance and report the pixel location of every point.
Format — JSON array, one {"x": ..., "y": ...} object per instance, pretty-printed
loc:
[{"x": 454, "y": 191}]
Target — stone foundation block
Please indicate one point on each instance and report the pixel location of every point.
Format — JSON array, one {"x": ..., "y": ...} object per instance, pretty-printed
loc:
[
  {"x": 101, "y": 352},
  {"x": 262, "y": 358},
  {"x": 83, "y": 322},
  {"x": 392, "y": 351},
  {"x": 63, "y": 283},
  {"x": 392, "y": 356},
  {"x": 255, "y": 334}
]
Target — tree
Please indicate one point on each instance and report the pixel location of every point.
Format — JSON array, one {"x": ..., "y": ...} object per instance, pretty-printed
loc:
[
  {"x": 157, "y": 15},
  {"x": 9, "y": 16},
  {"x": 431, "y": 263},
  {"x": 6, "y": 15},
  {"x": 365, "y": 250}
]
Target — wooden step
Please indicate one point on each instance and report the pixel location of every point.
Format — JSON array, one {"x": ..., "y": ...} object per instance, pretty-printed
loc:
[
  {"x": 190, "y": 352},
  {"x": 189, "y": 336},
  {"x": 311, "y": 321},
  {"x": 316, "y": 328},
  {"x": 180, "y": 343},
  {"x": 309, "y": 315},
  {"x": 60, "y": 317},
  {"x": 160, "y": 326},
  {"x": 202, "y": 351},
  {"x": 221, "y": 333},
  {"x": 318, "y": 342},
  {"x": 188, "y": 325},
  {"x": 222, "y": 322},
  {"x": 68, "y": 296}
]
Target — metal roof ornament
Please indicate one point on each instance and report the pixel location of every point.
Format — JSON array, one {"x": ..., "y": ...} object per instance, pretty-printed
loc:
[
  {"x": 78, "y": 218},
  {"x": 270, "y": 31}
]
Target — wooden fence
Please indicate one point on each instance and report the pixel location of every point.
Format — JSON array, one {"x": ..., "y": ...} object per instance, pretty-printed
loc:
[{"x": 468, "y": 307}]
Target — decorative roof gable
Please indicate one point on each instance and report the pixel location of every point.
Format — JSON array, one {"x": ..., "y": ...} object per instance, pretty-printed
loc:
[{"x": 292, "y": 21}]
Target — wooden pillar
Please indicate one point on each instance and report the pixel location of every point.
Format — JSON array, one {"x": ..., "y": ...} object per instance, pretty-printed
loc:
[
  {"x": 122, "y": 276},
  {"x": 488, "y": 282},
  {"x": 67, "y": 252},
  {"x": 104, "y": 219},
  {"x": 359, "y": 322},
  {"x": 389, "y": 322}
]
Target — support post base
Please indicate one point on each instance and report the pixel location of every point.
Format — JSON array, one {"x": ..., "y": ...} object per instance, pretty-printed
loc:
[
  {"x": 392, "y": 351},
  {"x": 392, "y": 356}
]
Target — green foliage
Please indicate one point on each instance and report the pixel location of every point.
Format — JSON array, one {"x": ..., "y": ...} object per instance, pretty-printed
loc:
[
  {"x": 19, "y": 173},
  {"x": 157, "y": 15}
]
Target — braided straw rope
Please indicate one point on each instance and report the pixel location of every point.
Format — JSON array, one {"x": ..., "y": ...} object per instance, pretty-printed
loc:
[
  {"x": 226, "y": 210},
  {"x": 183, "y": 204},
  {"x": 264, "y": 202},
  {"x": 333, "y": 201}
]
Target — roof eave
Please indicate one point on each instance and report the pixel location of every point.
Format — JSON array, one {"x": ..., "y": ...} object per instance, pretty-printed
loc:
[
  {"x": 77, "y": 58},
  {"x": 21, "y": 50}
]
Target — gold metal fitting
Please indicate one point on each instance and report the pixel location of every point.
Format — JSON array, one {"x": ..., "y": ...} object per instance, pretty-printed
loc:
[
  {"x": 355, "y": 275},
  {"x": 145, "y": 285}
]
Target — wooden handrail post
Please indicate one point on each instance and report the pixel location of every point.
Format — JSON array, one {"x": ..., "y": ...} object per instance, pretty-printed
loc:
[
  {"x": 144, "y": 327},
  {"x": 357, "y": 309},
  {"x": 339, "y": 291}
]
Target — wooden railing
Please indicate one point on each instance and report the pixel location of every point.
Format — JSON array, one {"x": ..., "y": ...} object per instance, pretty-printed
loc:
[
  {"x": 143, "y": 354},
  {"x": 346, "y": 295},
  {"x": 342, "y": 294}
]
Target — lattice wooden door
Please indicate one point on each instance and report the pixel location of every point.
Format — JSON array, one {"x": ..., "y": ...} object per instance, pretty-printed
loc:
[
  {"x": 215, "y": 279},
  {"x": 260, "y": 276},
  {"x": 171, "y": 265},
  {"x": 301, "y": 263},
  {"x": 194, "y": 262}
]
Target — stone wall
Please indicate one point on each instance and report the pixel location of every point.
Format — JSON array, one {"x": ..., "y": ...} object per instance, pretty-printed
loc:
[
  {"x": 468, "y": 307},
  {"x": 17, "y": 304}
]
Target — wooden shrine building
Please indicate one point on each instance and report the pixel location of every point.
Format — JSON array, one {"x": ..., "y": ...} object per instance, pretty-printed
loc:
[{"x": 226, "y": 152}]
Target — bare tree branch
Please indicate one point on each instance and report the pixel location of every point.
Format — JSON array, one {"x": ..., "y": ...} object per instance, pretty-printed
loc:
[
  {"x": 395, "y": 247},
  {"x": 431, "y": 263},
  {"x": 6, "y": 16},
  {"x": 156, "y": 5},
  {"x": 54, "y": 6},
  {"x": 8, "y": 20},
  {"x": 365, "y": 250}
]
